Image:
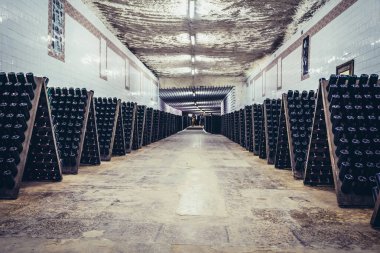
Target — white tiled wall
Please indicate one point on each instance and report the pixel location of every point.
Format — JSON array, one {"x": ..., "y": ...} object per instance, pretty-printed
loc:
[
  {"x": 24, "y": 48},
  {"x": 355, "y": 34}
]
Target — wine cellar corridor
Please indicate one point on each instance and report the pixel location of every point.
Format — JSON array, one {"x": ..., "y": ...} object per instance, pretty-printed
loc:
[
  {"x": 197, "y": 192},
  {"x": 189, "y": 126}
]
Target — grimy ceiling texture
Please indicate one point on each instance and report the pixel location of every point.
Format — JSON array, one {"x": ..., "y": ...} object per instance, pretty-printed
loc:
[{"x": 229, "y": 35}]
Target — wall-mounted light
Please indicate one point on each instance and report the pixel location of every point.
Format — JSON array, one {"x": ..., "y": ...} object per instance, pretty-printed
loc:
[
  {"x": 191, "y": 9},
  {"x": 192, "y": 39}
]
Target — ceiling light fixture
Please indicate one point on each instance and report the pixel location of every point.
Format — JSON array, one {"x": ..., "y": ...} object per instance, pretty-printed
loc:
[
  {"x": 192, "y": 59},
  {"x": 191, "y": 9},
  {"x": 193, "y": 71},
  {"x": 192, "y": 38}
]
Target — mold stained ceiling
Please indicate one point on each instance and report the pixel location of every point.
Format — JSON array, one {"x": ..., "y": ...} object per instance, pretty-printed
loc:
[{"x": 229, "y": 34}]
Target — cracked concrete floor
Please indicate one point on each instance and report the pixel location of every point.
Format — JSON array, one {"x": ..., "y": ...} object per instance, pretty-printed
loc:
[{"x": 192, "y": 192}]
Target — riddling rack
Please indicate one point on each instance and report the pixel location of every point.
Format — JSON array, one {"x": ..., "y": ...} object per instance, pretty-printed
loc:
[
  {"x": 148, "y": 127},
  {"x": 107, "y": 113},
  {"x": 241, "y": 128},
  {"x": 139, "y": 127},
  {"x": 119, "y": 148},
  {"x": 21, "y": 96},
  {"x": 91, "y": 151},
  {"x": 272, "y": 109},
  {"x": 248, "y": 128},
  {"x": 262, "y": 139},
  {"x": 129, "y": 115},
  {"x": 257, "y": 127},
  {"x": 70, "y": 108},
  {"x": 299, "y": 111},
  {"x": 156, "y": 126},
  {"x": 162, "y": 125},
  {"x": 351, "y": 107},
  {"x": 318, "y": 169},
  {"x": 236, "y": 127},
  {"x": 43, "y": 163},
  {"x": 282, "y": 158}
]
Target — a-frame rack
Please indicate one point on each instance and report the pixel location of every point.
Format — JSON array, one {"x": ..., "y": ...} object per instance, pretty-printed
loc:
[
  {"x": 24, "y": 125},
  {"x": 119, "y": 148},
  {"x": 318, "y": 170},
  {"x": 107, "y": 113},
  {"x": 71, "y": 124},
  {"x": 256, "y": 127},
  {"x": 271, "y": 118},
  {"x": 91, "y": 151},
  {"x": 262, "y": 139},
  {"x": 43, "y": 163},
  {"x": 129, "y": 116},
  {"x": 248, "y": 128},
  {"x": 282, "y": 158},
  {"x": 348, "y": 198},
  {"x": 139, "y": 127}
]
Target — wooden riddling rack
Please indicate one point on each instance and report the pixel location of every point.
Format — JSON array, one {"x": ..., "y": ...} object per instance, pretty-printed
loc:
[
  {"x": 262, "y": 139},
  {"x": 318, "y": 169},
  {"x": 23, "y": 100},
  {"x": 70, "y": 109},
  {"x": 129, "y": 110},
  {"x": 148, "y": 127},
  {"x": 43, "y": 162},
  {"x": 139, "y": 127},
  {"x": 248, "y": 128},
  {"x": 156, "y": 125},
  {"x": 241, "y": 128},
  {"x": 236, "y": 127},
  {"x": 347, "y": 92},
  {"x": 91, "y": 151},
  {"x": 271, "y": 117},
  {"x": 119, "y": 148},
  {"x": 107, "y": 113},
  {"x": 162, "y": 125},
  {"x": 375, "y": 218},
  {"x": 298, "y": 116},
  {"x": 282, "y": 157},
  {"x": 257, "y": 111}
]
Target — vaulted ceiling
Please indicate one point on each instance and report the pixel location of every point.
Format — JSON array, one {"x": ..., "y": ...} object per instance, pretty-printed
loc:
[{"x": 229, "y": 34}]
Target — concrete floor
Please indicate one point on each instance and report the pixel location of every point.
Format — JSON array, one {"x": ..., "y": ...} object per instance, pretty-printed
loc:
[{"x": 193, "y": 192}]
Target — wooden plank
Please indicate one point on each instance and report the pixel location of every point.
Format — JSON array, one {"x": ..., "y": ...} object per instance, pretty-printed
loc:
[
  {"x": 344, "y": 200},
  {"x": 375, "y": 218},
  {"x": 13, "y": 193}
]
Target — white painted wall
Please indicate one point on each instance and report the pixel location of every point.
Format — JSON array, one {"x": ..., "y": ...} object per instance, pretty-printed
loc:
[
  {"x": 355, "y": 34},
  {"x": 24, "y": 48}
]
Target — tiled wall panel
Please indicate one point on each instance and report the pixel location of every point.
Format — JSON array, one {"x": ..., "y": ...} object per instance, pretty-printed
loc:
[
  {"x": 24, "y": 47},
  {"x": 351, "y": 34}
]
